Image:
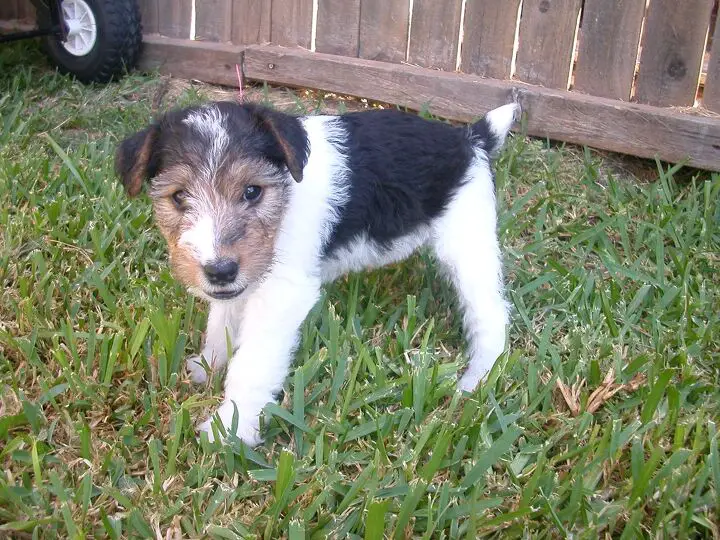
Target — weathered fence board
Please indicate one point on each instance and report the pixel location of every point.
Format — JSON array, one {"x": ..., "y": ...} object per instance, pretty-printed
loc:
[
  {"x": 672, "y": 51},
  {"x": 557, "y": 114},
  {"x": 384, "y": 29},
  {"x": 20, "y": 10},
  {"x": 291, "y": 22},
  {"x": 202, "y": 60},
  {"x": 434, "y": 33},
  {"x": 338, "y": 27},
  {"x": 175, "y": 17},
  {"x": 383, "y": 35},
  {"x": 711, "y": 93},
  {"x": 27, "y": 10},
  {"x": 608, "y": 47},
  {"x": 547, "y": 34},
  {"x": 489, "y": 37},
  {"x": 149, "y": 15},
  {"x": 213, "y": 20},
  {"x": 251, "y": 21},
  {"x": 8, "y": 10}
]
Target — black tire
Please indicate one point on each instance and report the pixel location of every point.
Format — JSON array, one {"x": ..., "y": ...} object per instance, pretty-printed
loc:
[{"x": 116, "y": 49}]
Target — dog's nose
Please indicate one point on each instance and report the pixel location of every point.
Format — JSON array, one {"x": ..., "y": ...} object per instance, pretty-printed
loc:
[{"x": 221, "y": 272}]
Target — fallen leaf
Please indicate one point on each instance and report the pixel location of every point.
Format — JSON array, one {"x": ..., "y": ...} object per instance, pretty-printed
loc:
[
  {"x": 601, "y": 395},
  {"x": 608, "y": 389}
]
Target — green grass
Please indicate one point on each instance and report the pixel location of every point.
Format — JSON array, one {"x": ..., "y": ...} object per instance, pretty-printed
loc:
[{"x": 97, "y": 435}]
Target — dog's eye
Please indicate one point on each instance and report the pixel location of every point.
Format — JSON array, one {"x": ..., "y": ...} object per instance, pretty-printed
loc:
[
  {"x": 252, "y": 192},
  {"x": 180, "y": 199}
]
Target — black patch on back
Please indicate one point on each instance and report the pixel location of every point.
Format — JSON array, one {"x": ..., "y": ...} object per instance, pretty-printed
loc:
[{"x": 403, "y": 172}]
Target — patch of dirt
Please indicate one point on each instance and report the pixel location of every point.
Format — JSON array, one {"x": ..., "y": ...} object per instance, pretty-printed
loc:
[{"x": 170, "y": 90}]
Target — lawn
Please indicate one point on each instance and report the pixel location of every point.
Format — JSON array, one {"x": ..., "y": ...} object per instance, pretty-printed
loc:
[{"x": 601, "y": 420}]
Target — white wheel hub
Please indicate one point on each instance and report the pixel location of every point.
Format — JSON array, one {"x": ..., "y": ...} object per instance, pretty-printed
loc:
[{"x": 81, "y": 26}]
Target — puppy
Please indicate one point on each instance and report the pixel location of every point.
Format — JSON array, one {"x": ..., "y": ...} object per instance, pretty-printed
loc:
[{"x": 260, "y": 209}]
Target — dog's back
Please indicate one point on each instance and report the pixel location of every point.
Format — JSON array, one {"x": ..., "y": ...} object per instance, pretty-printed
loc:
[{"x": 401, "y": 172}]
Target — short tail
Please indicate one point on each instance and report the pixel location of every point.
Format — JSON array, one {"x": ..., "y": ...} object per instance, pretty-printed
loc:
[{"x": 490, "y": 132}]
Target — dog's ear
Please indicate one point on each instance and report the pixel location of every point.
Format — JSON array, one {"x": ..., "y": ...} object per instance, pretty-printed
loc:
[
  {"x": 289, "y": 138},
  {"x": 135, "y": 159}
]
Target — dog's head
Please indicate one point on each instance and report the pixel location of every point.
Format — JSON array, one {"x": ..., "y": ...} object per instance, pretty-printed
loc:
[{"x": 219, "y": 179}]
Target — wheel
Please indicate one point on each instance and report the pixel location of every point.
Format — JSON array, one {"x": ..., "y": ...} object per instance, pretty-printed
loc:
[{"x": 103, "y": 39}]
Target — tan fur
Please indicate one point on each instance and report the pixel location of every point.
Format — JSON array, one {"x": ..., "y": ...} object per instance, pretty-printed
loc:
[
  {"x": 244, "y": 231},
  {"x": 136, "y": 175},
  {"x": 290, "y": 157}
]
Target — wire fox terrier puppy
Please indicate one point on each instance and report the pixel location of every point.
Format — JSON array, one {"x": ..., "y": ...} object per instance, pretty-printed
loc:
[{"x": 260, "y": 209}]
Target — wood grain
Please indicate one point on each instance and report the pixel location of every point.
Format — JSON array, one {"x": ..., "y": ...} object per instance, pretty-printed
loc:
[
  {"x": 338, "y": 27},
  {"x": 608, "y": 47},
  {"x": 489, "y": 37},
  {"x": 711, "y": 93},
  {"x": 174, "y": 18},
  {"x": 149, "y": 16},
  {"x": 8, "y": 10},
  {"x": 291, "y": 23},
  {"x": 186, "y": 59},
  {"x": 213, "y": 20},
  {"x": 251, "y": 22},
  {"x": 672, "y": 50},
  {"x": 22, "y": 11},
  {"x": 384, "y": 28},
  {"x": 25, "y": 11},
  {"x": 547, "y": 34},
  {"x": 434, "y": 33},
  {"x": 608, "y": 124}
]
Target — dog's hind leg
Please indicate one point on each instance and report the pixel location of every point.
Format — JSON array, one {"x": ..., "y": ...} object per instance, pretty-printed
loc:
[{"x": 466, "y": 244}]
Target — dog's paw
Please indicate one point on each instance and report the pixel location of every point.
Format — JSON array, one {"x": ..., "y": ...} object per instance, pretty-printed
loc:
[
  {"x": 472, "y": 377},
  {"x": 248, "y": 428},
  {"x": 196, "y": 369},
  {"x": 468, "y": 382},
  {"x": 479, "y": 368}
]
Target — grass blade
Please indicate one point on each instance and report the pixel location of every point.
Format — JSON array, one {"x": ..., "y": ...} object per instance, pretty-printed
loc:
[{"x": 492, "y": 455}]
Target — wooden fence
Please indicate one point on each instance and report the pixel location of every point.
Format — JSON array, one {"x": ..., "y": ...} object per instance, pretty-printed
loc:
[{"x": 634, "y": 76}]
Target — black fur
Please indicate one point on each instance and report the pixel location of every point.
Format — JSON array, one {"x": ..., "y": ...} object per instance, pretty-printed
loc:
[
  {"x": 247, "y": 129},
  {"x": 132, "y": 165},
  {"x": 254, "y": 131},
  {"x": 288, "y": 143},
  {"x": 484, "y": 137},
  {"x": 404, "y": 171}
]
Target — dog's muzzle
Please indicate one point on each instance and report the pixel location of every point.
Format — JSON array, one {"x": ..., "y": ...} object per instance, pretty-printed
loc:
[{"x": 225, "y": 295}]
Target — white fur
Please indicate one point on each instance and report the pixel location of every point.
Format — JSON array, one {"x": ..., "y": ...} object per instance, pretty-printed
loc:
[
  {"x": 223, "y": 323},
  {"x": 362, "y": 253},
  {"x": 209, "y": 122},
  {"x": 465, "y": 242},
  {"x": 502, "y": 119},
  {"x": 267, "y": 338},
  {"x": 264, "y": 324},
  {"x": 200, "y": 238},
  {"x": 313, "y": 206}
]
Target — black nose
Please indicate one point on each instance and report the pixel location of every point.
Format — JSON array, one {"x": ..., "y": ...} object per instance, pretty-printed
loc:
[{"x": 221, "y": 272}]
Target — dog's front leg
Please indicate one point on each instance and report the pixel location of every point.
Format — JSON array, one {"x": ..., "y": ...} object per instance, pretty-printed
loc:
[
  {"x": 268, "y": 337},
  {"x": 223, "y": 321}
]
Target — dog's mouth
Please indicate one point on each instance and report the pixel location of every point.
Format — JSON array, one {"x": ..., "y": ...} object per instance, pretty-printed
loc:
[{"x": 224, "y": 295}]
